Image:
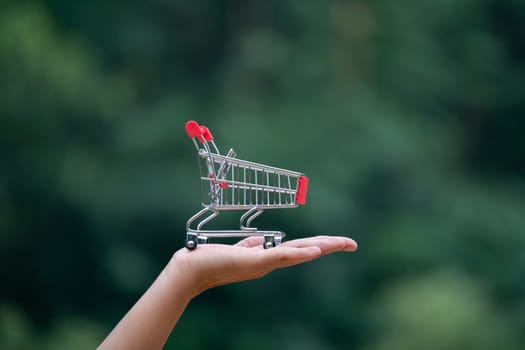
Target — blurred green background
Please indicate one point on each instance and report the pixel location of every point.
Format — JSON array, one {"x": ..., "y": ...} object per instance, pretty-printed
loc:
[{"x": 407, "y": 116}]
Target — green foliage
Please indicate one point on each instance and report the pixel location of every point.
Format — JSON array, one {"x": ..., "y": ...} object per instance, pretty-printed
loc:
[
  {"x": 70, "y": 333},
  {"x": 407, "y": 116},
  {"x": 441, "y": 311}
]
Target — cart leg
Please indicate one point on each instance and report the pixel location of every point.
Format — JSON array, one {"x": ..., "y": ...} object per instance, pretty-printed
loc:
[
  {"x": 248, "y": 217},
  {"x": 214, "y": 213}
]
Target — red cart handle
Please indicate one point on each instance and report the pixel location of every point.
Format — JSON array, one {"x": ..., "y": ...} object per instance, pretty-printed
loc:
[{"x": 202, "y": 133}]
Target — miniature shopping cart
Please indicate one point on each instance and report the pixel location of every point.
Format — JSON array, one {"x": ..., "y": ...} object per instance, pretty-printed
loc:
[{"x": 228, "y": 183}]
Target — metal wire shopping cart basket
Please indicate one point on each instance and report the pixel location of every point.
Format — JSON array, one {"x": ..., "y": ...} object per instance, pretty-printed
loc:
[{"x": 228, "y": 183}]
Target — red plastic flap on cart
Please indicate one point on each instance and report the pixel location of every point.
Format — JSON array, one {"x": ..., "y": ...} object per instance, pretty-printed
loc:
[{"x": 302, "y": 189}]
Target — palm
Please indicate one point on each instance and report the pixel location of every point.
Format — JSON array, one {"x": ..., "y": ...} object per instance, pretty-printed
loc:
[{"x": 216, "y": 264}]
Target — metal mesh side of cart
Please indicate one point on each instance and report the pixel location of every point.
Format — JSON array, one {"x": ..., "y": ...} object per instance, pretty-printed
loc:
[{"x": 231, "y": 183}]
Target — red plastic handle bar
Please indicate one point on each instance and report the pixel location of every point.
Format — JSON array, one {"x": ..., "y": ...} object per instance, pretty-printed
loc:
[
  {"x": 206, "y": 133},
  {"x": 302, "y": 189},
  {"x": 193, "y": 129}
]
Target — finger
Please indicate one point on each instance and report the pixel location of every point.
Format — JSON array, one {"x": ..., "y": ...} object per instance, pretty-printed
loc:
[
  {"x": 327, "y": 244},
  {"x": 336, "y": 242},
  {"x": 283, "y": 256},
  {"x": 330, "y": 244},
  {"x": 252, "y": 241}
]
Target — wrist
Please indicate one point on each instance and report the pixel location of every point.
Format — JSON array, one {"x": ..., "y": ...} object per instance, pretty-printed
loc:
[{"x": 179, "y": 274}]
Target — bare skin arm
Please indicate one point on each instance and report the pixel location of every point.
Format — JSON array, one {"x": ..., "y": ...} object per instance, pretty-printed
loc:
[{"x": 150, "y": 321}]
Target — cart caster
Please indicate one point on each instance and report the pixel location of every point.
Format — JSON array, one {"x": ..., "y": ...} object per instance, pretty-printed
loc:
[
  {"x": 191, "y": 244},
  {"x": 191, "y": 241},
  {"x": 269, "y": 242},
  {"x": 278, "y": 239},
  {"x": 268, "y": 245}
]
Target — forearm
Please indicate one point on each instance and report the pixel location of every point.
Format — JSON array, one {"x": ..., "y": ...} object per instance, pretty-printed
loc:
[{"x": 148, "y": 324}]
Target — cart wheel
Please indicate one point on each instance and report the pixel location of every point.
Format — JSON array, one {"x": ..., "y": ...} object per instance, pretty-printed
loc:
[
  {"x": 191, "y": 244},
  {"x": 269, "y": 244}
]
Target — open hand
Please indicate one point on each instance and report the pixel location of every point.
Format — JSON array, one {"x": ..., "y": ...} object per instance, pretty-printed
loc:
[{"x": 211, "y": 265}]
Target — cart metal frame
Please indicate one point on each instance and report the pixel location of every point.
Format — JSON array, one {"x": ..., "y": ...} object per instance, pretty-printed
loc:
[{"x": 229, "y": 183}]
